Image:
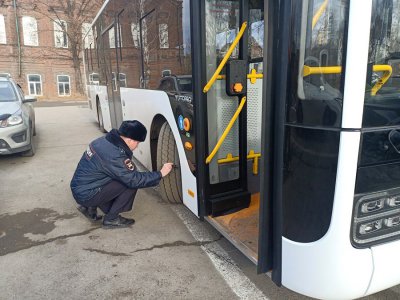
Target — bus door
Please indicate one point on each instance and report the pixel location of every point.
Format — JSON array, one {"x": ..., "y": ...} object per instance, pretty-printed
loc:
[
  {"x": 233, "y": 124},
  {"x": 112, "y": 46}
]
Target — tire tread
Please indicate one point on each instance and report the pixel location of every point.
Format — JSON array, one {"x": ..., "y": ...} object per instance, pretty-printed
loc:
[{"x": 171, "y": 185}]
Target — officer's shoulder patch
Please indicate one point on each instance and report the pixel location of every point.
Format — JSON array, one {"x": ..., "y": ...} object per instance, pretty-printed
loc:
[
  {"x": 129, "y": 164},
  {"x": 89, "y": 152}
]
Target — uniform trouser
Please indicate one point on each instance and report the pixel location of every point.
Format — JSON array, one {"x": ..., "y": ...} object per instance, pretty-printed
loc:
[{"x": 113, "y": 199}]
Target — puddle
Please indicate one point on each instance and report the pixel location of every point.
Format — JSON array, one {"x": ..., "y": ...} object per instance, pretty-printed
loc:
[{"x": 13, "y": 228}]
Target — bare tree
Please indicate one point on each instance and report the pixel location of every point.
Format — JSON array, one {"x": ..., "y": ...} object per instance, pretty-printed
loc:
[{"x": 69, "y": 16}]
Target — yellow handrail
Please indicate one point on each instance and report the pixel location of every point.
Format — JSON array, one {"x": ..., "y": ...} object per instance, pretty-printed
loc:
[
  {"x": 252, "y": 155},
  {"x": 226, "y": 131},
  {"x": 225, "y": 59},
  {"x": 253, "y": 76},
  {"x": 307, "y": 70},
  {"x": 387, "y": 72},
  {"x": 319, "y": 13},
  {"x": 387, "y": 69}
]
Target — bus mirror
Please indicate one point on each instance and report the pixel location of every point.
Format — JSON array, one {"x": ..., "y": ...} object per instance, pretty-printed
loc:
[{"x": 236, "y": 77}]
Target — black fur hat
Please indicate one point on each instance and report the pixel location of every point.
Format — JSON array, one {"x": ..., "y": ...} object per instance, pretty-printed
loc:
[{"x": 133, "y": 130}]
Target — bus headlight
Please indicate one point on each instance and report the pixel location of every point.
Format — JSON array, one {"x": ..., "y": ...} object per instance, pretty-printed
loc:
[
  {"x": 370, "y": 227},
  {"x": 392, "y": 221},
  {"x": 372, "y": 206},
  {"x": 393, "y": 201},
  {"x": 376, "y": 218}
]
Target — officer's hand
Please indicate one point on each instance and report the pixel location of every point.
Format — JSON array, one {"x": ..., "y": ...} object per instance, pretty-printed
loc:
[{"x": 167, "y": 167}]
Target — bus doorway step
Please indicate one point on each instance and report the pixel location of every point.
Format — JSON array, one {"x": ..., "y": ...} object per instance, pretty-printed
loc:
[{"x": 229, "y": 203}]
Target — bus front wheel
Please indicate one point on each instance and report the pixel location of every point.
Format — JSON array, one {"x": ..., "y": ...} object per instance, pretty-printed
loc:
[{"x": 170, "y": 185}]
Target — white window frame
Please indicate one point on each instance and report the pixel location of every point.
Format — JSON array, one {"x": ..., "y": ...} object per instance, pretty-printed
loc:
[
  {"x": 64, "y": 84},
  {"x": 34, "y": 87},
  {"x": 91, "y": 81},
  {"x": 135, "y": 34},
  {"x": 163, "y": 35},
  {"x": 30, "y": 31},
  {"x": 87, "y": 35},
  {"x": 60, "y": 37},
  {"x": 111, "y": 37},
  {"x": 124, "y": 80},
  {"x": 3, "y": 36}
]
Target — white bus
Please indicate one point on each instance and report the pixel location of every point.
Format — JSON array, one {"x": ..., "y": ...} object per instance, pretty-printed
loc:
[{"x": 282, "y": 119}]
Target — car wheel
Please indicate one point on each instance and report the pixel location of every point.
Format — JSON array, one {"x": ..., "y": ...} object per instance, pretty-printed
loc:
[
  {"x": 31, "y": 151},
  {"x": 170, "y": 185},
  {"x": 100, "y": 118}
]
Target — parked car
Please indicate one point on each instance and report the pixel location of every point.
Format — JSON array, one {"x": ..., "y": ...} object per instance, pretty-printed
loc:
[{"x": 17, "y": 119}]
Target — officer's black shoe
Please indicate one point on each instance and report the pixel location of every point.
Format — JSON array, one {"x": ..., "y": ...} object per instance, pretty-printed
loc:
[
  {"x": 118, "y": 222},
  {"x": 89, "y": 212}
]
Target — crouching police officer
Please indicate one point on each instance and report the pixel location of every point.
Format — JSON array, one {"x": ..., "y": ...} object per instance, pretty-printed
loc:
[{"x": 107, "y": 178}]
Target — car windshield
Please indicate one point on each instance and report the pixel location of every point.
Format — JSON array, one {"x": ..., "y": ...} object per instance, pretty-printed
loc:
[
  {"x": 185, "y": 84},
  {"x": 7, "y": 93}
]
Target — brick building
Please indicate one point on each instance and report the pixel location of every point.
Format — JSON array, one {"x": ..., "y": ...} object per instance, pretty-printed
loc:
[{"x": 40, "y": 46}]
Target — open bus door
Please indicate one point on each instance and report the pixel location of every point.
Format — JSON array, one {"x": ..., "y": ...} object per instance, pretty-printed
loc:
[
  {"x": 230, "y": 162},
  {"x": 111, "y": 47}
]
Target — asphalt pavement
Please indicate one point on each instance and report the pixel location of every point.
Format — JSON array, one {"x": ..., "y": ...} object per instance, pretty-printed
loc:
[{"x": 49, "y": 251}]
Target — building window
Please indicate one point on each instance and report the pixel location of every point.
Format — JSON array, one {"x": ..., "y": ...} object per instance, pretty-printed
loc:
[
  {"x": 3, "y": 39},
  {"x": 63, "y": 85},
  {"x": 87, "y": 35},
  {"x": 111, "y": 37},
  {"x": 60, "y": 34},
  {"x": 29, "y": 27},
  {"x": 122, "y": 79},
  {"x": 35, "y": 84},
  {"x": 163, "y": 34},
  {"x": 94, "y": 78},
  {"x": 135, "y": 34}
]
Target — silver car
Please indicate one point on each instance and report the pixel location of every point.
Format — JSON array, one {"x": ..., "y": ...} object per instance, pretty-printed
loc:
[{"x": 17, "y": 119}]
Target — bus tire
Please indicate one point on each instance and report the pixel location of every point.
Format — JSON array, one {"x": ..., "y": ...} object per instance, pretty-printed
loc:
[{"x": 170, "y": 185}]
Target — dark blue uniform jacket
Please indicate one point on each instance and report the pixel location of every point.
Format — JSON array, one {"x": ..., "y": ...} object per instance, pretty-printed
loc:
[{"x": 108, "y": 158}]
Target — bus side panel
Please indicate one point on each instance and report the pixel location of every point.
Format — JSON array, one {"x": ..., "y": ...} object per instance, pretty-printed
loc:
[
  {"x": 101, "y": 92},
  {"x": 144, "y": 105},
  {"x": 331, "y": 268},
  {"x": 387, "y": 266}
]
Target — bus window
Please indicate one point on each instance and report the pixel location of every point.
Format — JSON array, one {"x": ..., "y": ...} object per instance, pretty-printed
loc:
[
  {"x": 319, "y": 40},
  {"x": 313, "y": 116},
  {"x": 382, "y": 93},
  {"x": 222, "y": 19},
  {"x": 256, "y": 35}
]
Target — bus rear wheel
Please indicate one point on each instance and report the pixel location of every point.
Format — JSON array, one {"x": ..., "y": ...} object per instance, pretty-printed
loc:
[{"x": 170, "y": 185}]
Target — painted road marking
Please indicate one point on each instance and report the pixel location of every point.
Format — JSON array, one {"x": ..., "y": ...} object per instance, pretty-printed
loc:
[{"x": 240, "y": 284}]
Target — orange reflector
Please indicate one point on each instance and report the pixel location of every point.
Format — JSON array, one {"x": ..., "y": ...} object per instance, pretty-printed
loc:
[
  {"x": 186, "y": 124},
  {"x": 188, "y": 146},
  {"x": 237, "y": 87},
  {"x": 190, "y": 192}
]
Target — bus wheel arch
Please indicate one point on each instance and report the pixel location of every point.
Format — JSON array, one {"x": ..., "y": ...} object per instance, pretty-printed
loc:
[{"x": 163, "y": 149}]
